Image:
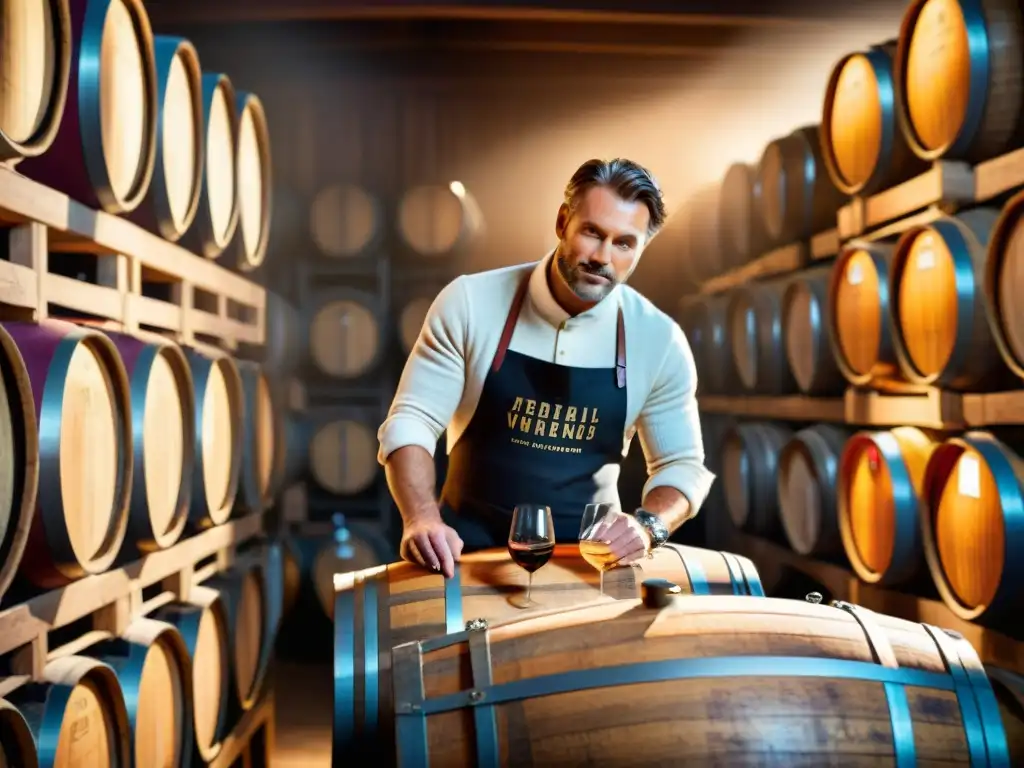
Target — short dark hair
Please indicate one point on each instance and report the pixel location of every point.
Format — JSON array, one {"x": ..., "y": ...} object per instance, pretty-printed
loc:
[{"x": 629, "y": 180}]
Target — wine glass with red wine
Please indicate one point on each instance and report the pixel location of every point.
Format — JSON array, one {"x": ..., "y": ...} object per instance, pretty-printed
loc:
[{"x": 531, "y": 540}]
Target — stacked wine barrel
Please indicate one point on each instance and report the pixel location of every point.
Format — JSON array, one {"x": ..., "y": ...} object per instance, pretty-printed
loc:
[{"x": 144, "y": 132}]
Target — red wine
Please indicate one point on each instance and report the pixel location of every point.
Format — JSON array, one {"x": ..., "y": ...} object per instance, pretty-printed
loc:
[{"x": 531, "y": 556}]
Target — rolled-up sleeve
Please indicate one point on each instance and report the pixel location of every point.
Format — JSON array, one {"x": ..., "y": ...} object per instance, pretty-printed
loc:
[
  {"x": 669, "y": 427},
  {"x": 433, "y": 379}
]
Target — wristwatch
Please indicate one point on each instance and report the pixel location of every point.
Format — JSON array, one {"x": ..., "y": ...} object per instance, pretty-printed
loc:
[{"x": 656, "y": 529}]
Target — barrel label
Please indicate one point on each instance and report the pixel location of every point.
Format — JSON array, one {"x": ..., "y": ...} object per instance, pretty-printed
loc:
[{"x": 969, "y": 477}]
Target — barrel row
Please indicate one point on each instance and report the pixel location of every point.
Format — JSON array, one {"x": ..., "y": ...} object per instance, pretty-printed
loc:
[
  {"x": 935, "y": 307},
  {"x": 112, "y": 446},
  {"x": 902, "y": 506},
  {"x": 140, "y": 130},
  {"x": 945, "y": 87},
  {"x": 167, "y": 692}
]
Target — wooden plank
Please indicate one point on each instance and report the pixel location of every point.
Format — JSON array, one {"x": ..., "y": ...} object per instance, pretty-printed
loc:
[
  {"x": 19, "y": 285},
  {"x": 236, "y": 745},
  {"x": 931, "y": 409},
  {"x": 994, "y": 408},
  {"x": 999, "y": 175},
  {"x": 778, "y": 262},
  {"x": 825, "y": 245},
  {"x": 792, "y": 408}
]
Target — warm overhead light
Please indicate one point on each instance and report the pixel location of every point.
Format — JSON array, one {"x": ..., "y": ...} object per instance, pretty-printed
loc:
[{"x": 457, "y": 188}]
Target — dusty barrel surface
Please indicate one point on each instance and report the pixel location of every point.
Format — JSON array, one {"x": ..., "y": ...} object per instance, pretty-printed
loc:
[
  {"x": 218, "y": 437},
  {"x": 973, "y": 524},
  {"x": 163, "y": 439},
  {"x": 105, "y": 149},
  {"x": 35, "y": 66},
  {"x": 254, "y": 184},
  {"x": 862, "y": 144},
  {"x": 960, "y": 75},
  {"x": 217, "y": 217},
  {"x": 77, "y": 714},
  {"x": 382, "y": 607},
  {"x": 778, "y": 680},
  {"x": 203, "y": 625},
  {"x": 82, "y": 405},
  {"x": 881, "y": 481},
  {"x": 172, "y": 201}
]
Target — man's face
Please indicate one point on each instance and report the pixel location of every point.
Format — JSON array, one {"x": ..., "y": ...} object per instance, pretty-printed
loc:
[{"x": 600, "y": 242}]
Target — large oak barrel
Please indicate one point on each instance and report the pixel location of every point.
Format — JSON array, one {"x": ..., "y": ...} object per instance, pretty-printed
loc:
[
  {"x": 703, "y": 681},
  {"x": 203, "y": 625},
  {"x": 410, "y": 322},
  {"x": 17, "y": 747},
  {"x": 80, "y": 391},
  {"x": 260, "y": 429},
  {"x": 35, "y": 63},
  {"x": 712, "y": 350},
  {"x": 858, "y": 314},
  {"x": 380, "y": 608},
  {"x": 437, "y": 219},
  {"x": 19, "y": 452},
  {"x": 798, "y": 199},
  {"x": 974, "y": 489},
  {"x": 283, "y": 344},
  {"x": 960, "y": 78},
  {"x": 757, "y": 340},
  {"x": 218, "y": 437},
  {"x": 170, "y": 206},
  {"x": 808, "y": 475},
  {"x": 1004, "y": 284},
  {"x": 153, "y": 667},
  {"x": 345, "y": 221},
  {"x": 77, "y": 714},
  {"x": 346, "y": 335},
  {"x": 739, "y": 215},
  {"x": 343, "y": 456},
  {"x": 254, "y": 185},
  {"x": 163, "y": 439},
  {"x": 750, "y": 466},
  {"x": 701, "y": 234},
  {"x": 809, "y": 351},
  {"x": 862, "y": 144},
  {"x": 942, "y": 333},
  {"x": 881, "y": 481},
  {"x": 217, "y": 217},
  {"x": 105, "y": 149}
]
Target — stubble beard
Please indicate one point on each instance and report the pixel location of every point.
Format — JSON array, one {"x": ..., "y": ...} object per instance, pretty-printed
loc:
[{"x": 573, "y": 277}]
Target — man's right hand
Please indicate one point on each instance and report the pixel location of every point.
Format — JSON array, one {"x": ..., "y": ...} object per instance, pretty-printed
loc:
[{"x": 433, "y": 544}]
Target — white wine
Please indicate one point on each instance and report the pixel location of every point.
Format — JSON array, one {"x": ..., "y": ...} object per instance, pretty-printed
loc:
[{"x": 598, "y": 555}]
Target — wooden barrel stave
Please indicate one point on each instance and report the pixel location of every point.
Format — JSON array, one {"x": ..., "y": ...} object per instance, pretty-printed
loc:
[
  {"x": 757, "y": 340},
  {"x": 17, "y": 747},
  {"x": 942, "y": 335},
  {"x": 859, "y": 290},
  {"x": 780, "y": 681},
  {"x": 105, "y": 165},
  {"x": 73, "y": 689},
  {"x": 19, "y": 458},
  {"x": 153, "y": 667},
  {"x": 970, "y": 109},
  {"x": 36, "y": 66},
  {"x": 380, "y": 608},
  {"x": 750, "y": 454},
  {"x": 203, "y": 625},
  {"x": 77, "y": 378},
  {"x": 218, "y": 438},
  {"x": 436, "y": 220},
  {"x": 808, "y": 351},
  {"x": 345, "y": 221},
  {"x": 254, "y": 185},
  {"x": 170, "y": 205},
  {"x": 163, "y": 429},
  {"x": 216, "y": 219},
  {"x": 716, "y": 368},
  {"x": 357, "y": 349},
  {"x": 971, "y": 526},
  {"x": 882, "y": 158},
  {"x": 798, "y": 199},
  {"x": 1003, "y": 284},
  {"x": 808, "y": 477},
  {"x": 261, "y": 426},
  {"x": 881, "y": 479},
  {"x": 343, "y": 456},
  {"x": 281, "y": 350},
  {"x": 739, "y": 216}
]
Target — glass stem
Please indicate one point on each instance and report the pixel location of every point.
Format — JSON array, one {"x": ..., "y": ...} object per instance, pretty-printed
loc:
[
  {"x": 600, "y": 582},
  {"x": 529, "y": 585}
]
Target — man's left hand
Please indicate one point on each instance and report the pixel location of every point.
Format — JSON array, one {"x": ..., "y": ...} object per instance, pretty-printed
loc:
[{"x": 627, "y": 539}]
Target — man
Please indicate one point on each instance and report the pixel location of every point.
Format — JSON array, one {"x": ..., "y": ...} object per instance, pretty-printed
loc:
[{"x": 542, "y": 373}]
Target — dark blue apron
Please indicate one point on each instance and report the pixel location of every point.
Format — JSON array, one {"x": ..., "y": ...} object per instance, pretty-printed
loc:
[{"x": 541, "y": 434}]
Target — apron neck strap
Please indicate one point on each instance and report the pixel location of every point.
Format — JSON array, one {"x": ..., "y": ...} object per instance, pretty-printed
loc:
[{"x": 513, "y": 317}]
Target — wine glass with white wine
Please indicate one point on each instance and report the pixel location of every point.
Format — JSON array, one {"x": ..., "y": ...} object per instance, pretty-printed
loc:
[{"x": 596, "y": 552}]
